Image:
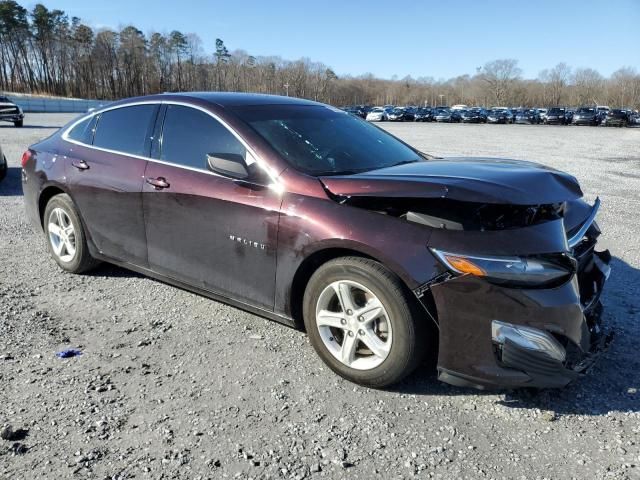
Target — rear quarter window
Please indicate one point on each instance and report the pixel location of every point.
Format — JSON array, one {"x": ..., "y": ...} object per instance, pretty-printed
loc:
[{"x": 83, "y": 131}]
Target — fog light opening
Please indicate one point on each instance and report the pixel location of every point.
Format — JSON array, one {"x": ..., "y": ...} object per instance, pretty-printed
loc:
[{"x": 529, "y": 338}]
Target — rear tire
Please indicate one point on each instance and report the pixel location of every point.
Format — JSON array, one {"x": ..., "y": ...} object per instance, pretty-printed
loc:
[
  {"x": 3, "y": 168},
  {"x": 18, "y": 124},
  {"x": 342, "y": 339},
  {"x": 65, "y": 236}
]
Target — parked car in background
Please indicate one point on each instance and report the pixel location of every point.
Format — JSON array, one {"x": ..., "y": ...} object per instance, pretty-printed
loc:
[
  {"x": 378, "y": 114},
  {"x": 602, "y": 111},
  {"x": 474, "y": 115},
  {"x": 586, "y": 116},
  {"x": 353, "y": 111},
  {"x": 423, "y": 115},
  {"x": 401, "y": 115},
  {"x": 443, "y": 115},
  {"x": 528, "y": 116},
  {"x": 456, "y": 115},
  {"x": 570, "y": 112},
  {"x": 617, "y": 118},
  {"x": 3, "y": 165},
  {"x": 308, "y": 216},
  {"x": 10, "y": 112},
  {"x": 557, "y": 116},
  {"x": 542, "y": 113},
  {"x": 500, "y": 115}
]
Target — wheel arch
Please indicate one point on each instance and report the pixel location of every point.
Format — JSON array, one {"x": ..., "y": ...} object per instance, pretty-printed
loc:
[
  {"x": 45, "y": 196},
  {"x": 323, "y": 255}
]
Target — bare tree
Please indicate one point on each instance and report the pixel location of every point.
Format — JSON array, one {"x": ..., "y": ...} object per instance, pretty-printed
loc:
[
  {"x": 555, "y": 83},
  {"x": 42, "y": 50},
  {"x": 625, "y": 87},
  {"x": 500, "y": 77},
  {"x": 588, "y": 86}
]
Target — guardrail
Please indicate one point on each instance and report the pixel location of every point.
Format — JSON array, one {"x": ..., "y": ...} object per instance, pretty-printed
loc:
[{"x": 54, "y": 105}]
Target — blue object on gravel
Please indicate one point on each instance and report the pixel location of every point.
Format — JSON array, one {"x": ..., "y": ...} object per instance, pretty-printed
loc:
[{"x": 68, "y": 353}]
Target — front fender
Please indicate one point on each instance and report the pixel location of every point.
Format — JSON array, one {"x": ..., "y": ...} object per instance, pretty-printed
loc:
[{"x": 309, "y": 225}]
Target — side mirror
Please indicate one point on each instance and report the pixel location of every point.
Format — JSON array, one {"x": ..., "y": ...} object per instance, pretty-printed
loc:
[{"x": 228, "y": 164}]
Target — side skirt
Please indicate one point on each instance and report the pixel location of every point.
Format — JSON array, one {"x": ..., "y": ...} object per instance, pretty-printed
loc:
[{"x": 199, "y": 291}]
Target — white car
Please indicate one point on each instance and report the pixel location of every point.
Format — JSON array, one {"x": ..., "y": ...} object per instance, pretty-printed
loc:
[
  {"x": 378, "y": 114},
  {"x": 3, "y": 165},
  {"x": 543, "y": 114}
]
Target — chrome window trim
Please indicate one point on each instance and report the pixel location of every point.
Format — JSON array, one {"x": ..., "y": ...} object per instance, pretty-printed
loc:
[
  {"x": 258, "y": 160},
  {"x": 577, "y": 238}
]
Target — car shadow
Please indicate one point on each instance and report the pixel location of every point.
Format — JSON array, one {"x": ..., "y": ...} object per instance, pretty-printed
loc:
[
  {"x": 11, "y": 186},
  {"x": 114, "y": 271},
  {"x": 612, "y": 385}
]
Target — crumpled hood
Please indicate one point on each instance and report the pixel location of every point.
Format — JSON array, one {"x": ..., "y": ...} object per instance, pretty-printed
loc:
[{"x": 482, "y": 180}]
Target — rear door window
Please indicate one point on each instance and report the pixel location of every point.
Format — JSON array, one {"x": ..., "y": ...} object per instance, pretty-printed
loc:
[
  {"x": 126, "y": 129},
  {"x": 189, "y": 136}
]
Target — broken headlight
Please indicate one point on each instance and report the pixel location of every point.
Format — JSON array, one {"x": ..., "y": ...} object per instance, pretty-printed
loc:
[{"x": 512, "y": 271}]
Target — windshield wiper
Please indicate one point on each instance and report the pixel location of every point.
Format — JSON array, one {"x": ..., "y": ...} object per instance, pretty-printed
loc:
[
  {"x": 340, "y": 172},
  {"x": 404, "y": 162}
]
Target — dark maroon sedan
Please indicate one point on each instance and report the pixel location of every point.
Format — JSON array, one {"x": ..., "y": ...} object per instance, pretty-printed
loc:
[{"x": 305, "y": 214}]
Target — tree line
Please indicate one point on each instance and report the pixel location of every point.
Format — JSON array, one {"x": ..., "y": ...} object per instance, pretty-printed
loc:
[{"x": 46, "y": 51}]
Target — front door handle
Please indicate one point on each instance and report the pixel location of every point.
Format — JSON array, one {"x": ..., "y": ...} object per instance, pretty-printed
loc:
[
  {"x": 158, "y": 183},
  {"x": 80, "y": 165}
]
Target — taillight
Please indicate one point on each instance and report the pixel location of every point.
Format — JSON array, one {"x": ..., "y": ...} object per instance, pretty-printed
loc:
[{"x": 26, "y": 156}]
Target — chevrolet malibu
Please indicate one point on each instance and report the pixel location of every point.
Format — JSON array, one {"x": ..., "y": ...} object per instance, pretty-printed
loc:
[{"x": 304, "y": 214}]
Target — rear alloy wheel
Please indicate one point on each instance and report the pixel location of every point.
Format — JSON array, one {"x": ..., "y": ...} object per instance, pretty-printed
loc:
[
  {"x": 362, "y": 322},
  {"x": 65, "y": 236}
]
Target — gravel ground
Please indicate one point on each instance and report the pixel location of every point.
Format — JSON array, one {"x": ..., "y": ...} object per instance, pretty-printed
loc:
[{"x": 173, "y": 385}]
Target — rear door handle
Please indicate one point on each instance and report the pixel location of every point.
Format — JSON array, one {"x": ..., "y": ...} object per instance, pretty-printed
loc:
[
  {"x": 80, "y": 165},
  {"x": 158, "y": 183}
]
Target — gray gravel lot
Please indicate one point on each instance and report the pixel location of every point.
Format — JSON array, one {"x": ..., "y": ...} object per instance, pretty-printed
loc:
[{"x": 173, "y": 385}]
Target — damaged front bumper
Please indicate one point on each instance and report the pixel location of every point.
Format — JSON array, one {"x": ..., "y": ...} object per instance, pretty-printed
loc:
[
  {"x": 493, "y": 335},
  {"x": 469, "y": 356}
]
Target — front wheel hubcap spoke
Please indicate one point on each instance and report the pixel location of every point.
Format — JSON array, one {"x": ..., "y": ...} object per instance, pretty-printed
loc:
[
  {"x": 378, "y": 347},
  {"x": 343, "y": 290},
  {"x": 330, "y": 319},
  {"x": 372, "y": 310},
  {"x": 348, "y": 350}
]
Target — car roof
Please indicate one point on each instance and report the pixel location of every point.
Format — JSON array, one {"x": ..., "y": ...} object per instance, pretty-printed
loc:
[
  {"x": 244, "y": 99},
  {"x": 223, "y": 99}
]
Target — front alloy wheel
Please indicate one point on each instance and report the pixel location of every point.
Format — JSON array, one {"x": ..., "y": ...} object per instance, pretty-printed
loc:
[
  {"x": 363, "y": 322},
  {"x": 354, "y": 325}
]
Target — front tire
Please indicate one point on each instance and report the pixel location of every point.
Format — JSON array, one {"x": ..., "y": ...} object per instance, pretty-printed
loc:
[
  {"x": 18, "y": 124},
  {"x": 65, "y": 236},
  {"x": 362, "y": 322}
]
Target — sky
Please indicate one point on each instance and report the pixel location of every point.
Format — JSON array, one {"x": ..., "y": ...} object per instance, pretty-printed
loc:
[{"x": 390, "y": 38}]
